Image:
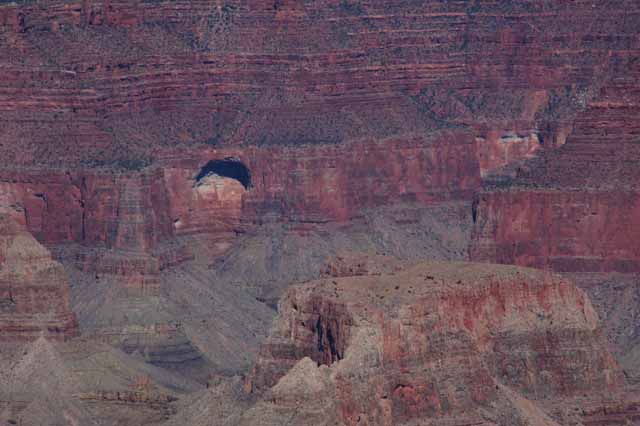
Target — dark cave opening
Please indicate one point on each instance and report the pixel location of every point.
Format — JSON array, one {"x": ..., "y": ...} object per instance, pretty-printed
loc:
[
  {"x": 229, "y": 167},
  {"x": 327, "y": 344}
]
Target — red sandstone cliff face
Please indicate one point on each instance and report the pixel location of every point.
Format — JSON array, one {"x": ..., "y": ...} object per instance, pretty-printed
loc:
[
  {"x": 449, "y": 342},
  {"x": 138, "y": 211},
  {"x": 93, "y": 209},
  {"x": 132, "y": 77},
  {"x": 323, "y": 183},
  {"x": 564, "y": 230},
  {"x": 333, "y": 106},
  {"x": 576, "y": 209},
  {"x": 34, "y": 290}
]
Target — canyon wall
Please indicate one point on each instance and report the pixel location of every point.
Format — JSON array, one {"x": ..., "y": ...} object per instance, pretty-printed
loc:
[
  {"x": 333, "y": 106},
  {"x": 564, "y": 230},
  {"x": 138, "y": 211},
  {"x": 34, "y": 289},
  {"x": 119, "y": 81},
  {"x": 95, "y": 209},
  {"x": 112, "y": 111},
  {"x": 325, "y": 183},
  {"x": 576, "y": 209}
]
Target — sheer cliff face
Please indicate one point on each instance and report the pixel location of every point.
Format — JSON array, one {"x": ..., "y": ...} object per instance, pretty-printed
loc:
[
  {"x": 332, "y": 105},
  {"x": 568, "y": 231},
  {"x": 34, "y": 290},
  {"x": 576, "y": 209},
  {"x": 139, "y": 211},
  {"x": 443, "y": 341}
]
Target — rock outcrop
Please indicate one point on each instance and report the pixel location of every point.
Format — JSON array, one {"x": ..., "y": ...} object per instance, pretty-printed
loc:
[
  {"x": 332, "y": 106},
  {"x": 80, "y": 382},
  {"x": 500, "y": 311},
  {"x": 451, "y": 343},
  {"x": 34, "y": 289},
  {"x": 576, "y": 209}
]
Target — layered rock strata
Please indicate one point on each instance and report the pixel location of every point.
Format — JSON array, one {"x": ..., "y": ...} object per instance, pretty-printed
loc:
[
  {"x": 316, "y": 119},
  {"x": 577, "y": 210},
  {"x": 449, "y": 343},
  {"x": 34, "y": 289},
  {"x": 186, "y": 74},
  {"x": 81, "y": 382},
  {"x": 139, "y": 211}
]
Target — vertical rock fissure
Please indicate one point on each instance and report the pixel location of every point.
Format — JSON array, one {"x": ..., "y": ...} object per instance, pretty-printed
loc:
[
  {"x": 474, "y": 209},
  {"x": 327, "y": 342},
  {"x": 320, "y": 334}
]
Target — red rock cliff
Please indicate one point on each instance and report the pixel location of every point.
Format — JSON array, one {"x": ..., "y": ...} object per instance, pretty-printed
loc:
[
  {"x": 439, "y": 341},
  {"x": 131, "y": 77},
  {"x": 576, "y": 209},
  {"x": 332, "y": 105},
  {"x": 34, "y": 290},
  {"x": 563, "y": 230}
]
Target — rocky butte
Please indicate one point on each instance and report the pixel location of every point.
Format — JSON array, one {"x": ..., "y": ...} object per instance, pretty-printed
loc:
[{"x": 446, "y": 343}]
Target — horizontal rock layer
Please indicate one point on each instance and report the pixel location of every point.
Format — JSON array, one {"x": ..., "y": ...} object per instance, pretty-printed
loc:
[
  {"x": 99, "y": 83},
  {"x": 34, "y": 290},
  {"x": 564, "y": 230},
  {"x": 444, "y": 341},
  {"x": 576, "y": 209},
  {"x": 139, "y": 211}
]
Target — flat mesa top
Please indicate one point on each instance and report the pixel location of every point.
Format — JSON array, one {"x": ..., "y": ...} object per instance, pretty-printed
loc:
[{"x": 428, "y": 278}]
